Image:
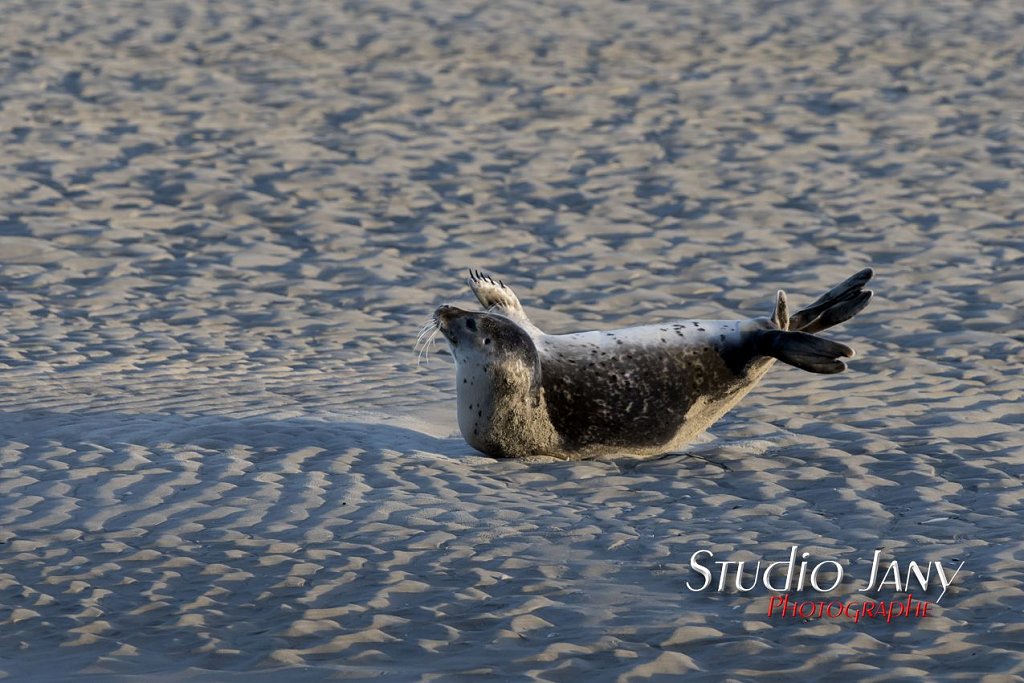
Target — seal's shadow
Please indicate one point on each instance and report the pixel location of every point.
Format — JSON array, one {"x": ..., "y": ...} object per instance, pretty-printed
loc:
[
  {"x": 165, "y": 431},
  {"x": 220, "y": 447}
]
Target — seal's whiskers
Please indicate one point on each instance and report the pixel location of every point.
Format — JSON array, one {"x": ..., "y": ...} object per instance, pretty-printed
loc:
[{"x": 425, "y": 340}]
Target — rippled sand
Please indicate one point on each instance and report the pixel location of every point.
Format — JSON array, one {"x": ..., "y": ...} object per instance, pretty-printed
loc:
[{"x": 223, "y": 223}]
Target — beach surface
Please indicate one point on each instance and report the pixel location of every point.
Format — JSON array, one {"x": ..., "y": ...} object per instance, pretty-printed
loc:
[{"x": 223, "y": 224}]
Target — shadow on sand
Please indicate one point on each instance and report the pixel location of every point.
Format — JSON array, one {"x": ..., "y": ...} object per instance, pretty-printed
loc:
[{"x": 259, "y": 433}]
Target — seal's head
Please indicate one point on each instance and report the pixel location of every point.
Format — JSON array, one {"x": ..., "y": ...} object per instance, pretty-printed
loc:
[
  {"x": 495, "y": 344},
  {"x": 497, "y": 375}
]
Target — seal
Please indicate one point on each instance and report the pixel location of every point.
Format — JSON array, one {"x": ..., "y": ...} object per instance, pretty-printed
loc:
[{"x": 638, "y": 391}]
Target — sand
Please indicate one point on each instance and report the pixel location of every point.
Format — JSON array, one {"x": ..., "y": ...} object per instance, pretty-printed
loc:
[{"x": 223, "y": 224}]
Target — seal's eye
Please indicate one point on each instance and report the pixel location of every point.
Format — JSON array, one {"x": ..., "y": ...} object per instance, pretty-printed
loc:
[
  {"x": 487, "y": 341},
  {"x": 471, "y": 325}
]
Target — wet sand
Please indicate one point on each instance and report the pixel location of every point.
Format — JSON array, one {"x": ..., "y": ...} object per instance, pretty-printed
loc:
[{"x": 224, "y": 223}]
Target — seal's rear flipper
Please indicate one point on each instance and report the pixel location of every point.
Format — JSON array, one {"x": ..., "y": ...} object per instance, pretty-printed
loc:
[
  {"x": 805, "y": 351},
  {"x": 837, "y": 305},
  {"x": 780, "y": 316}
]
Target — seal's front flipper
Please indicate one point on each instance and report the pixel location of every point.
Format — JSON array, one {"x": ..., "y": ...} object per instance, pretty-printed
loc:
[
  {"x": 805, "y": 351},
  {"x": 497, "y": 297},
  {"x": 837, "y": 305},
  {"x": 494, "y": 294}
]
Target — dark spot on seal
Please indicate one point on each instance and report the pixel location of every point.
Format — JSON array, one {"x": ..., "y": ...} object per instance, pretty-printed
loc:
[{"x": 470, "y": 324}]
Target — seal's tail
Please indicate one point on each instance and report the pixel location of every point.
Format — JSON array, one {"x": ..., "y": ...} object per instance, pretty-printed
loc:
[
  {"x": 837, "y": 305},
  {"x": 805, "y": 351}
]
